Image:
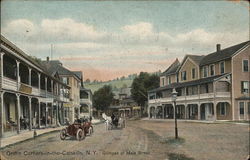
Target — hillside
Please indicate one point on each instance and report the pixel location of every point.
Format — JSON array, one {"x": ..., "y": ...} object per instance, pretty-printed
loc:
[{"x": 115, "y": 84}]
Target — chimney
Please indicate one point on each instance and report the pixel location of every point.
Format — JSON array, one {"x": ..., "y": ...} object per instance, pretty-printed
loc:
[
  {"x": 218, "y": 47},
  {"x": 47, "y": 59}
]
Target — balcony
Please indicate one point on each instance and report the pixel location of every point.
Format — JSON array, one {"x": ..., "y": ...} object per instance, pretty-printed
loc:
[
  {"x": 206, "y": 95},
  {"x": 43, "y": 93},
  {"x": 9, "y": 84},
  {"x": 63, "y": 98},
  {"x": 35, "y": 91},
  {"x": 197, "y": 97},
  {"x": 223, "y": 94},
  {"x": 85, "y": 101}
]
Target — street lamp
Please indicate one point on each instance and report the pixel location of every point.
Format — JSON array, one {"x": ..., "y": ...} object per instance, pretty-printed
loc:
[{"x": 174, "y": 97}]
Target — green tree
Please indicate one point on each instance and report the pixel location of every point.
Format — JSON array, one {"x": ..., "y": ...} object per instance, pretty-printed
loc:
[
  {"x": 87, "y": 81},
  {"x": 103, "y": 97},
  {"x": 141, "y": 85}
]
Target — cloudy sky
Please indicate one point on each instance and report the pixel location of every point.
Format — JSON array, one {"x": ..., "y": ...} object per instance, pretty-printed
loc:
[{"x": 109, "y": 39}]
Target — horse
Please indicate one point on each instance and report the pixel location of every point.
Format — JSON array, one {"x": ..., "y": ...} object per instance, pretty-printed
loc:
[{"x": 108, "y": 121}]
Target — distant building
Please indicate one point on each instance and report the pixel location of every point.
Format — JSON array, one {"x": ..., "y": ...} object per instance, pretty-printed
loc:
[
  {"x": 74, "y": 80},
  {"x": 124, "y": 105},
  {"x": 86, "y": 104},
  {"x": 210, "y": 87}
]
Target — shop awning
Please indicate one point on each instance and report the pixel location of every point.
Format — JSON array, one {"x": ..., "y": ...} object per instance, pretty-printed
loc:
[
  {"x": 136, "y": 107},
  {"x": 67, "y": 105}
]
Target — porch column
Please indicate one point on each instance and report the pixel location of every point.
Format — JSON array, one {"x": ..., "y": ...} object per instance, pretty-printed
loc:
[
  {"x": 30, "y": 76},
  {"x": 46, "y": 114},
  {"x": 199, "y": 111},
  {"x": 162, "y": 111},
  {"x": 30, "y": 115},
  {"x": 215, "y": 106},
  {"x": 17, "y": 71},
  {"x": 1, "y": 131},
  {"x": 62, "y": 110},
  {"x": 199, "y": 105},
  {"x": 39, "y": 113},
  {"x": 2, "y": 53},
  {"x": 57, "y": 105},
  {"x": 185, "y": 110},
  {"x": 52, "y": 113},
  {"x": 46, "y": 87},
  {"x": 39, "y": 81},
  {"x": 18, "y": 113},
  {"x": 215, "y": 111}
]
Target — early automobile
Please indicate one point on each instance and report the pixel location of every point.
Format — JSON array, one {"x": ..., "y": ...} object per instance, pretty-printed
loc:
[{"x": 79, "y": 129}]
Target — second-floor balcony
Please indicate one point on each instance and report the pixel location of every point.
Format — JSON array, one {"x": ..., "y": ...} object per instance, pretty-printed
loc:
[
  {"x": 85, "y": 101},
  {"x": 188, "y": 98},
  {"x": 207, "y": 89}
]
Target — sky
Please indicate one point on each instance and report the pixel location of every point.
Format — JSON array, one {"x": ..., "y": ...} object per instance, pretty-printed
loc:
[{"x": 109, "y": 39}]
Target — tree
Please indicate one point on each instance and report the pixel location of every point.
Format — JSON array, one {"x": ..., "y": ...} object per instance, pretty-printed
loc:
[
  {"x": 87, "y": 81},
  {"x": 141, "y": 85},
  {"x": 103, "y": 97}
]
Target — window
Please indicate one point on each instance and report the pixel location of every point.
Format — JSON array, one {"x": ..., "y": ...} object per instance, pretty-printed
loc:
[
  {"x": 65, "y": 80},
  {"x": 183, "y": 75},
  {"x": 205, "y": 71},
  {"x": 241, "y": 107},
  {"x": 222, "y": 108},
  {"x": 245, "y": 65},
  {"x": 162, "y": 81},
  {"x": 212, "y": 70},
  {"x": 193, "y": 73},
  {"x": 169, "y": 80},
  {"x": 222, "y": 67},
  {"x": 244, "y": 87}
]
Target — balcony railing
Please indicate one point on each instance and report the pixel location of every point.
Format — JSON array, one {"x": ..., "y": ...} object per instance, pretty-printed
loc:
[
  {"x": 35, "y": 91},
  {"x": 206, "y": 95},
  {"x": 9, "y": 84},
  {"x": 191, "y": 97},
  {"x": 13, "y": 85},
  {"x": 86, "y": 101},
  {"x": 223, "y": 94}
]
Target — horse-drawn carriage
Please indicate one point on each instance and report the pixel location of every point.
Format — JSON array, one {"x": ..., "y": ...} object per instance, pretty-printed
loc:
[
  {"x": 79, "y": 129},
  {"x": 113, "y": 121}
]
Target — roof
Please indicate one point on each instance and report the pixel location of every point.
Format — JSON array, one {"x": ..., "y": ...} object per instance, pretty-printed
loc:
[
  {"x": 51, "y": 66},
  {"x": 85, "y": 89},
  {"x": 172, "y": 68},
  {"x": 190, "y": 83},
  {"x": 27, "y": 57},
  {"x": 128, "y": 100},
  {"x": 196, "y": 58},
  {"x": 54, "y": 66},
  {"x": 223, "y": 54},
  {"x": 20, "y": 52},
  {"x": 78, "y": 74}
]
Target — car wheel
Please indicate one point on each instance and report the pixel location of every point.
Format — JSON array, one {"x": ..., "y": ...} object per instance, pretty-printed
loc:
[
  {"x": 80, "y": 135},
  {"x": 63, "y": 134}
]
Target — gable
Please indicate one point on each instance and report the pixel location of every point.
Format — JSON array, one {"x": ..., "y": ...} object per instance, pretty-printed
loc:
[{"x": 188, "y": 64}]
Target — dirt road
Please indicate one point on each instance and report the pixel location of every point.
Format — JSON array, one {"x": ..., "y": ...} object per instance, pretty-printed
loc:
[{"x": 141, "y": 140}]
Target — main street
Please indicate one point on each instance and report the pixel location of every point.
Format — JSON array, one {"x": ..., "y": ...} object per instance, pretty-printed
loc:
[{"x": 141, "y": 139}]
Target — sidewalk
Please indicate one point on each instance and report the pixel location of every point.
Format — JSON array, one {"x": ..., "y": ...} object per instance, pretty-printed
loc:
[
  {"x": 8, "y": 141},
  {"x": 198, "y": 121}
]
